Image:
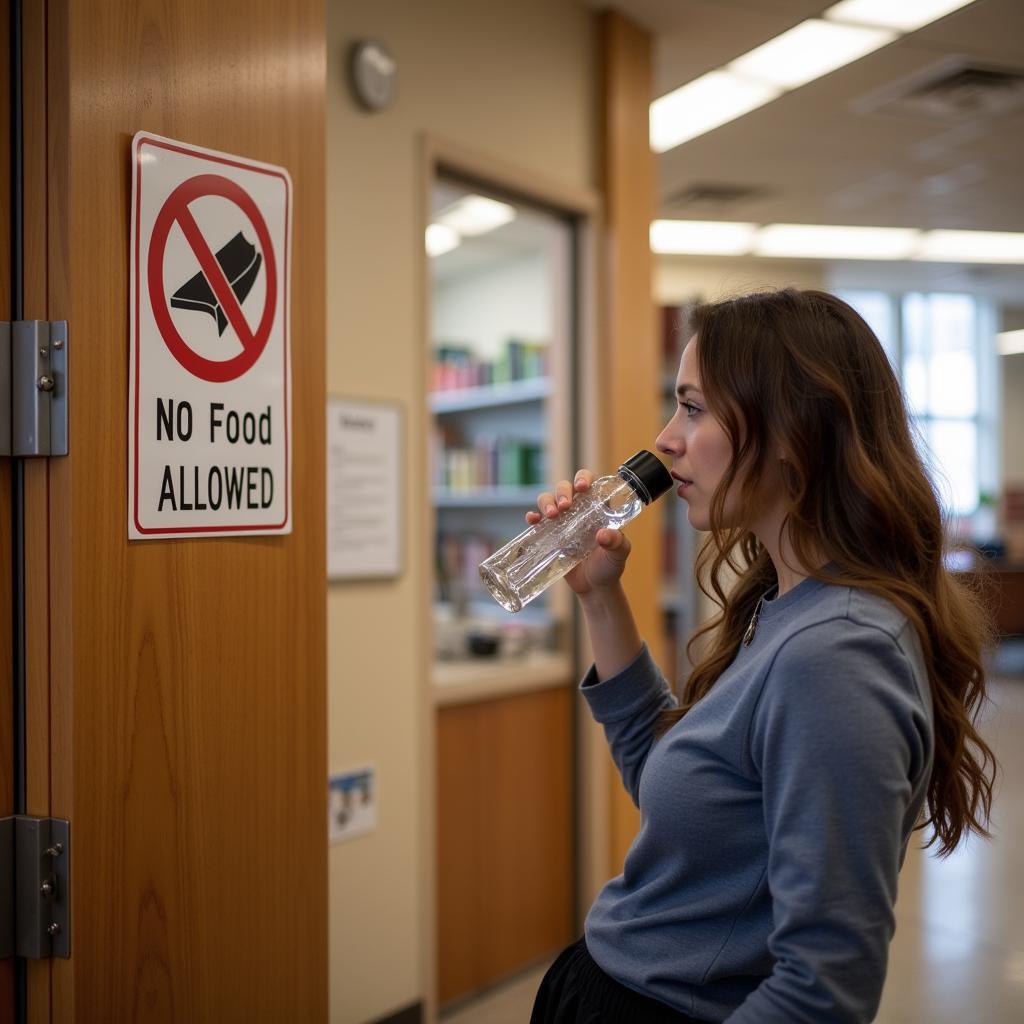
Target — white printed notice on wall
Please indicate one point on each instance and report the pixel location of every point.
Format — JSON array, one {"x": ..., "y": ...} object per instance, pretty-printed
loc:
[
  {"x": 363, "y": 489},
  {"x": 209, "y": 415}
]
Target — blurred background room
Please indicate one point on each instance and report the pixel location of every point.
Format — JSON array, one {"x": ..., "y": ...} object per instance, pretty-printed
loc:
[{"x": 514, "y": 234}]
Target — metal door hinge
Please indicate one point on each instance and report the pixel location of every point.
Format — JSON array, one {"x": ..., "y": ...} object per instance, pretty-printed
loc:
[
  {"x": 35, "y": 887},
  {"x": 33, "y": 387}
]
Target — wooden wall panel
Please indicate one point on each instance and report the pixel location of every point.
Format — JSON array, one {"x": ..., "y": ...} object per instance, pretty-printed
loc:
[
  {"x": 632, "y": 365},
  {"x": 187, "y": 677},
  {"x": 504, "y": 827}
]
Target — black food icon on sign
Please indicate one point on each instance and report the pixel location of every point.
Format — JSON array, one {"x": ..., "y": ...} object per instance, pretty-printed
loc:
[{"x": 240, "y": 262}]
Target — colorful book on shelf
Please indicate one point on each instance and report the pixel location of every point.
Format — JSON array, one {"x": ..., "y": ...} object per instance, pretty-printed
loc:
[
  {"x": 491, "y": 462},
  {"x": 458, "y": 366}
]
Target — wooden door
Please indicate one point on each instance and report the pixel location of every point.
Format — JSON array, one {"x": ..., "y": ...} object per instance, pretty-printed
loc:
[{"x": 179, "y": 711}]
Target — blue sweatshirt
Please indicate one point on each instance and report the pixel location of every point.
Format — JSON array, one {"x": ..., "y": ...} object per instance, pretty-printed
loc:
[{"x": 774, "y": 816}]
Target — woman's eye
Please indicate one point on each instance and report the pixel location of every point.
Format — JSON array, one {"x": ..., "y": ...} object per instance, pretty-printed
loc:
[{"x": 691, "y": 409}]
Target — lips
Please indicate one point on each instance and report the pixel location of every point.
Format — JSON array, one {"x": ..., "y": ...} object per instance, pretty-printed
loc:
[{"x": 682, "y": 479}]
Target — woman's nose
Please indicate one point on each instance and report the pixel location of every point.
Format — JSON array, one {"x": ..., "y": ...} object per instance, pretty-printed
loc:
[{"x": 669, "y": 441}]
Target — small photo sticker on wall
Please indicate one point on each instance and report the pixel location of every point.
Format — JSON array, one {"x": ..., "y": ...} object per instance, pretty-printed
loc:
[{"x": 351, "y": 803}]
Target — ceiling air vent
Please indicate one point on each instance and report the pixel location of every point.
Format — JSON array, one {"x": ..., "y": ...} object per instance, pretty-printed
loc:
[
  {"x": 951, "y": 90},
  {"x": 711, "y": 198}
]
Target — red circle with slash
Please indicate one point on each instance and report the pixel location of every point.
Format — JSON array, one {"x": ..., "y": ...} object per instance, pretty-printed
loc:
[{"x": 176, "y": 211}]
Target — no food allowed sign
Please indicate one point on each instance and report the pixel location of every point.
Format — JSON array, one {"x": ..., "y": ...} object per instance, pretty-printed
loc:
[{"x": 209, "y": 418}]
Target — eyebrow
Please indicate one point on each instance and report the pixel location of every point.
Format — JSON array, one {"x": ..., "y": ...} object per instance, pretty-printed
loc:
[{"x": 682, "y": 389}]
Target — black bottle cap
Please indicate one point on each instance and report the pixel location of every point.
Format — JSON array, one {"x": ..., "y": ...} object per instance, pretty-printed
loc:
[{"x": 647, "y": 475}]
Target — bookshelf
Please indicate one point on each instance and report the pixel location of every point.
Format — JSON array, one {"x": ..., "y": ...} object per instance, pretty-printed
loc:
[
  {"x": 499, "y": 397},
  {"x": 485, "y": 497},
  {"x": 531, "y": 389}
]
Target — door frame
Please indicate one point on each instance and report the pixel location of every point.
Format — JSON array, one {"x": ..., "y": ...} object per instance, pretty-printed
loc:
[
  {"x": 43, "y": 115},
  {"x": 439, "y": 156},
  {"x": 11, "y": 971}
]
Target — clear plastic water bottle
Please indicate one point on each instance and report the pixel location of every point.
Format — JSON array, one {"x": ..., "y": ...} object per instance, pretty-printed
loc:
[{"x": 528, "y": 564}]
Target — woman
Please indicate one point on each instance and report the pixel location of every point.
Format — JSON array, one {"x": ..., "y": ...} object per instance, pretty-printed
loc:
[{"x": 829, "y": 713}]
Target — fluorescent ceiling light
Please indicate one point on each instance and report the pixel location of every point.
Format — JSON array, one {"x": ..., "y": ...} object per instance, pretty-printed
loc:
[
  {"x": 834, "y": 242},
  {"x": 1011, "y": 343},
  {"x": 702, "y": 237},
  {"x": 972, "y": 247},
  {"x": 815, "y": 47},
  {"x": 476, "y": 215},
  {"x": 703, "y": 104},
  {"x": 441, "y": 239},
  {"x": 902, "y": 15},
  {"x": 808, "y": 51},
  {"x": 827, "y": 242}
]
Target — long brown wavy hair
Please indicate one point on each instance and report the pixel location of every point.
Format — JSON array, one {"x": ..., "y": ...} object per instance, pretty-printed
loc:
[{"x": 800, "y": 372}]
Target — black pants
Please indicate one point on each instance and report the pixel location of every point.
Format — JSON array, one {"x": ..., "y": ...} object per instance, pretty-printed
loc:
[{"x": 576, "y": 991}]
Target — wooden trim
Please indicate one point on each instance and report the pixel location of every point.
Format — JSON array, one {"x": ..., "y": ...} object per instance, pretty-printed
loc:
[
  {"x": 593, "y": 797},
  {"x": 633, "y": 361},
  {"x": 438, "y": 154},
  {"x": 427, "y": 714},
  {"x": 441, "y": 154},
  {"x": 6, "y": 654}
]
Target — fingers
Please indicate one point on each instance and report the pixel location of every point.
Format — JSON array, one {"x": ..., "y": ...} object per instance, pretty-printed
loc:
[
  {"x": 550, "y": 503},
  {"x": 547, "y": 506},
  {"x": 616, "y": 543},
  {"x": 563, "y": 494}
]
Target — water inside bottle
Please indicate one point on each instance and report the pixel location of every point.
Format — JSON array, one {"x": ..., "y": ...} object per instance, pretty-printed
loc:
[{"x": 544, "y": 554}]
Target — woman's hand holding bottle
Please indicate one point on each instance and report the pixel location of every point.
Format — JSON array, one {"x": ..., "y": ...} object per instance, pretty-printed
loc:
[
  {"x": 596, "y": 580},
  {"x": 587, "y": 549},
  {"x": 540, "y": 555},
  {"x": 603, "y": 567}
]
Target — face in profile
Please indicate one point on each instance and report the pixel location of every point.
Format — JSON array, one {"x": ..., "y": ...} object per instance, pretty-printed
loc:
[
  {"x": 701, "y": 450},
  {"x": 696, "y": 441}
]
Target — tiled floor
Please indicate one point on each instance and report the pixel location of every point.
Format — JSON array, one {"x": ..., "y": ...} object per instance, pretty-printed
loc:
[
  {"x": 509, "y": 1004},
  {"x": 958, "y": 954}
]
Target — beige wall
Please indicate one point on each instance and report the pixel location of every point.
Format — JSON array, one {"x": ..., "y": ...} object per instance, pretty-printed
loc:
[{"x": 517, "y": 85}]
